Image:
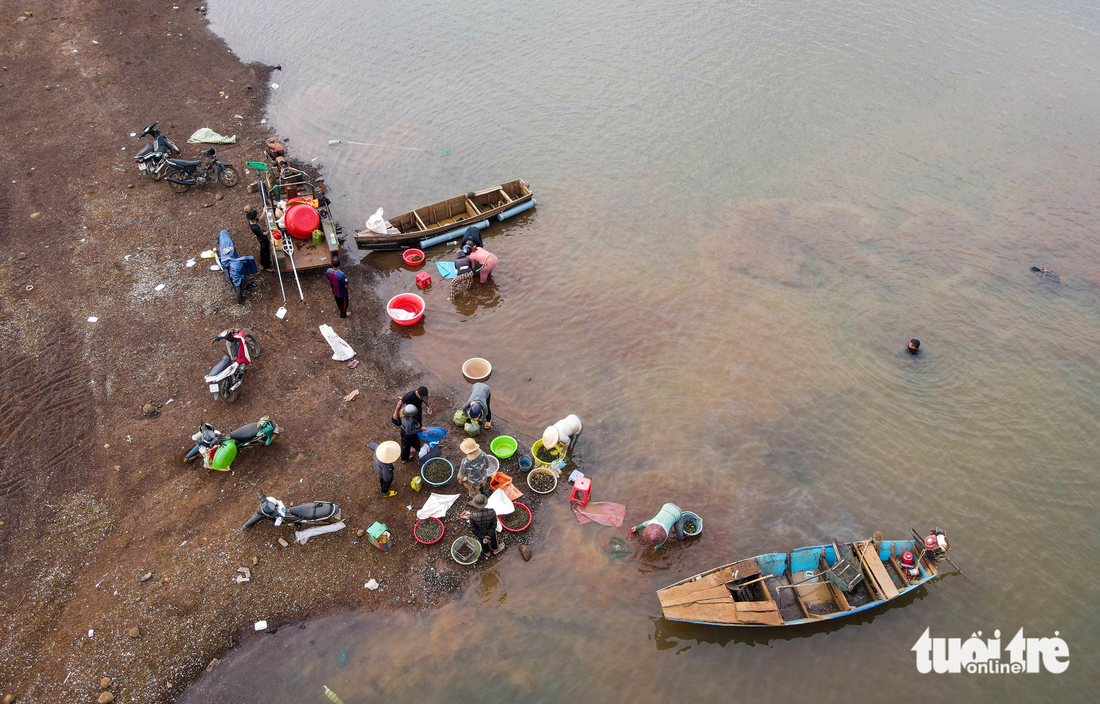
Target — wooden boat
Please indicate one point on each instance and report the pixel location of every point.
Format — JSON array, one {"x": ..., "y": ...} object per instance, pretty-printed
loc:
[
  {"x": 411, "y": 228},
  {"x": 808, "y": 585}
]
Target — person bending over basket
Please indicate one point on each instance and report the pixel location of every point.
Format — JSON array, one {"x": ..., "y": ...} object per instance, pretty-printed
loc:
[
  {"x": 477, "y": 407},
  {"x": 483, "y": 523},
  {"x": 563, "y": 435},
  {"x": 464, "y": 272}
]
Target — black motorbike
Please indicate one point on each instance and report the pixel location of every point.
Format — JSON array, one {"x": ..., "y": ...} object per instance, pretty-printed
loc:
[
  {"x": 209, "y": 438},
  {"x": 183, "y": 174},
  {"x": 274, "y": 510},
  {"x": 152, "y": 159}
]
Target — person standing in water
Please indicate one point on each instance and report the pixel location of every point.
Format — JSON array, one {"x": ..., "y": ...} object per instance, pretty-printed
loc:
[
  {"x": 485, "y": 260},
  {"x": 914, "y": 347}
]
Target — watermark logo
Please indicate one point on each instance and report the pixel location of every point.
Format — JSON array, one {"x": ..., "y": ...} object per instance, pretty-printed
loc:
[{"x": 977, "y": 656}]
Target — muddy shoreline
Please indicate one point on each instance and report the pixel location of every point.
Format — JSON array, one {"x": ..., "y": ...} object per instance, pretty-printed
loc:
[{"x": 117, "y": 559}]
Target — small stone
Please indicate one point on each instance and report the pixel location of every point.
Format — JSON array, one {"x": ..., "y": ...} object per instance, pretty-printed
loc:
[
  {"x": 135, "y": 632},
  {"x": 255, "y": 560},
  {"x": 146, "y": 577},
  {"x": 283, "y": 542},
  {"x": 220, "y": 196},
  {"x": 525, "y": 552},
  {"x": 8, "y": 698},
  {"x": 48, "y": 87},
  {"x": 105, "y": 698},
  {"x": 129, "y": 185},
  {"x": 213, "y": 664},
  {"x": 21, "y": 255},
  {"x": 149, "y": 410},
  {"x": 360, "y": 533},
  {"x": 29, "y": 14},
  {"x": 34, "y": 216},
  {"x": 208, "y": 205},
  {"x": 20, "y": 19},
  {"x": 107, "y": 446},
  {"x": 105, "y": 683}
]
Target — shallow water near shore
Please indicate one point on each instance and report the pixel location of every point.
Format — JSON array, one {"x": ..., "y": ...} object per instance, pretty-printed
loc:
[{"x": 745, "y": 212}]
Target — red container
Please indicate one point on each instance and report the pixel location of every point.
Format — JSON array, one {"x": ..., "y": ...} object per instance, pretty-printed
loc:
[
  {"x": 409, "y": 308},
  {"x": 301, "y": 220},
  {"x": 423, "y": 279},
  {"x": 442, "y": 530},
  {"x": 519, "y": 507},
  {"x": 413, "y": 257}
]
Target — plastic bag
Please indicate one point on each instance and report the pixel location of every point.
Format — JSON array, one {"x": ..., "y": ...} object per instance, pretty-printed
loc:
[
  {"x": 341, "y": 351},
  {"x": 377, "y": 223}
]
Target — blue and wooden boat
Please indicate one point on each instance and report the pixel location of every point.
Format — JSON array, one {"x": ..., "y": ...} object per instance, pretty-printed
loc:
[{"x": 808, "y": 585}]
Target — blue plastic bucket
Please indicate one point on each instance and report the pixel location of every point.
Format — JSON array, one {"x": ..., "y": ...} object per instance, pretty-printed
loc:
[
  {"x": 526, "y": 463},
  {"x": 698, "y": 524}
]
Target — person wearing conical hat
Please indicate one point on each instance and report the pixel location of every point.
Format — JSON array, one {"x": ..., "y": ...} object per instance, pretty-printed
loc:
[
  {"x": 474, "y": 469},
  {"x": 564, "y": 433},
  {"x": 385, "y": 454}
]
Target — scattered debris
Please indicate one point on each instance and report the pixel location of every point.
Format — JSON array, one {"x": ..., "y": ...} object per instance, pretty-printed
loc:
[
  {"x": 352, "y": 395},
  {"x": 213, "y": 664},
  {"x": 353, "y": 364},
  {"x": 92, "y": 319},
  {"x": 371, "y": 584},
  {"x": 260, "y": 625},
  {"x": 146, "y": 577},
  {"x": 245, "y": 575},
  {"x": 159, "y": 287},
  {"x": 359, "y": 533},
  {"x": 283, "y": 542},
  {"x": 105, "y": 698},
  {"x": 255, "y": 560},
  {"x": 105, "y": 683},
  {"x": 135, "y": 632},
  {"x": 21, "y": 255},
  {"x": 35, "y": 215}
]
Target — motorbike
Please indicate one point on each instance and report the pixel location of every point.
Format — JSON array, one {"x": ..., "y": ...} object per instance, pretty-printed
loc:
[
  {"x": 236, "y": 269},
  {"x": 313, "y": 512},
  {"x": 183, "y": 174},
  {"x": 219, "y": 450},
  {"x": 224, "y": 378},
  {"x": 152, "y": 159}
]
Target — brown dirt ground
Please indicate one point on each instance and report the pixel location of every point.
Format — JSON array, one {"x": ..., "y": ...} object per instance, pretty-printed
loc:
[{"x": 93, "y": 495}]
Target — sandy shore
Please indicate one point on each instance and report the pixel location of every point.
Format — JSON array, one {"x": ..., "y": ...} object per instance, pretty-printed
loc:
[{"x": 93, "y": 494}]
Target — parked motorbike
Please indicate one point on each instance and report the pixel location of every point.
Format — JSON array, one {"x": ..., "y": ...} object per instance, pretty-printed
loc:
[
  {"x": 219, "y": 450},
  {"x": 237, "y": 269},
  {"x": 183, "y": 174},
  {"x": 224, "y": 378},
  {"x": 274, "y": 510},
  {"x": 152, "y": 159}
]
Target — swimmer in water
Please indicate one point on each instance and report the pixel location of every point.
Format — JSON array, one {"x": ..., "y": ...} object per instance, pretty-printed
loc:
[
  {"x": 1046, "y": 273},
  {"x": 914, "y": 346}
]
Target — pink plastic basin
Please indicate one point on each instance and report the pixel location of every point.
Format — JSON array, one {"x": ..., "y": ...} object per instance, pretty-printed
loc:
[{"x": 406, "y": 308}]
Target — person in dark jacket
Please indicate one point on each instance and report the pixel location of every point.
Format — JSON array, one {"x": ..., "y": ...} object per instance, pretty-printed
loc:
[
  {"x": 340, "y": 288},
  {"x": 385, "y": 454},
  {"x": 410, "y": 426},
  {"x": 483, "y": 523},
  {"x": 417, "y": 397},
  {"x": 261, "y": 238},
  {"x": 472, "y": 235},
  {"x": 464, "y": 272}
]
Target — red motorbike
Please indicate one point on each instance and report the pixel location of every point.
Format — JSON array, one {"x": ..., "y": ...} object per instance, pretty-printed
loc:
[{"x": 224, "y": 378}]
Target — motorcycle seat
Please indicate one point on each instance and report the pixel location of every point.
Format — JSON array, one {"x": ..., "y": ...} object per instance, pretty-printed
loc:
[
  {"x": 312, "y": 511},
  {"x": 184, "y": 162},
  {"x": 245, "y": 432},
  {"x": 218, "y": 368}
]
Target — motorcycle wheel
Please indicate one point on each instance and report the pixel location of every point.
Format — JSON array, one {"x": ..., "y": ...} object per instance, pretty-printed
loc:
[
  {"x": 231, "y": 396},
  {"x": 253, "y": 346},
  {"x": 228, "y": 177},
  {"x": 240, "y": 293},
  {"x": 177, "y": 187}
]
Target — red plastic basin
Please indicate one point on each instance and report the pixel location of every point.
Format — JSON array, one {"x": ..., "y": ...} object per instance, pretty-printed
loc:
[
  {"x": 522, "y": 508},
  {"x": 409, "y": 308},
  {"x": 413, "y": 257},
  {"x": 301, "y": 220}
]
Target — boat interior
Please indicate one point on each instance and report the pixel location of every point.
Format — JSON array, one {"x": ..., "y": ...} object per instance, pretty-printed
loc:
[
  {"x": 473, "y": 207},
  {"x": 777, "y": 589}
]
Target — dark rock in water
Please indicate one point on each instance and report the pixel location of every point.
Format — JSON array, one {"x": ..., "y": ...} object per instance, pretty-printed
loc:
[{"x": 525, "y": 552}]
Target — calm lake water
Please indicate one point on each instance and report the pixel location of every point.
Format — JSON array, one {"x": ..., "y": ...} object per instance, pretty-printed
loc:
[{"x": 745, "y": 211}]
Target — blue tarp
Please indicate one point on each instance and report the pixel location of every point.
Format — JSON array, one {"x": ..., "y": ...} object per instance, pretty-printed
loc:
[
  {"x": 446, "y": 269},
  {"x": 236, "y": 268}
]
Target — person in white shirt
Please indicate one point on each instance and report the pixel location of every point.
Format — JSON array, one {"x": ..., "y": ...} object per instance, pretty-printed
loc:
[{"x": 565, "y": 432}]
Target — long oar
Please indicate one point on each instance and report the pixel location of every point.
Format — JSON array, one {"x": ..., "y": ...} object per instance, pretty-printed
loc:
[
  {"x": 270, "y": 240},
  {"x": 288, "y": 248}
]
